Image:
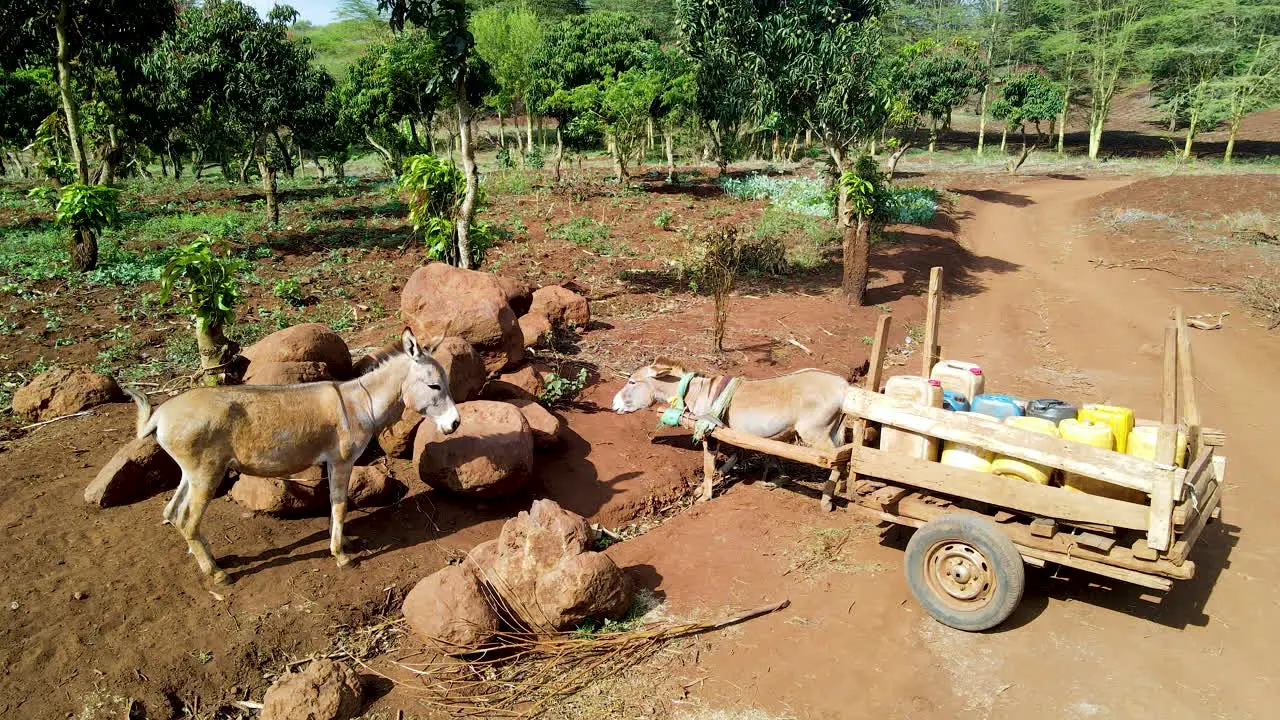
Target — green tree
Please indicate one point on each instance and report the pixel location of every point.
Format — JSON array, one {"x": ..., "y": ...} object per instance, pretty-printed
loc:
[
  {"x": 508, "y": 38},
  {"x": 26, "y": 99},
  {"x": 585, "y": 51},
  {"x": 939, "y": 77},
  {"x": 1110, "y": 32},
  {"x": 462, "y": 75},
  {"x": 1253, "y": 85},
  {"x": 244, "y": 71},
  {"x": 722, "y": 39},
  {"x": 618, "y": 108},
  {"x": 1028, "y": 96},
  {"x": 207, "y": 279}
]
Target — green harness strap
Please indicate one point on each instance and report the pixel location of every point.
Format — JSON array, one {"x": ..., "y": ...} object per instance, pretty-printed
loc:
[{"x": 671, "y": 416}]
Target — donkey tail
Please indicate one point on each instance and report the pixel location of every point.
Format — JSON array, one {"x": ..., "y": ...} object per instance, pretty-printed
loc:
[{"x": 146, "y": 424}]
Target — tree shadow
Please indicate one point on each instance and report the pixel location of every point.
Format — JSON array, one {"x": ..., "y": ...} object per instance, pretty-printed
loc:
[
  {"x": 348, "y": 213},
  {"x": 302, "y": 242},
  {"x": 913, "y": 253},
  {"x": 1002, "y": 197}
]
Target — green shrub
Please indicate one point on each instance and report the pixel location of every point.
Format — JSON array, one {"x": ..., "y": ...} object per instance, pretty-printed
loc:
[
  {"x": 435, "y": 190},
  {"x": 664, "y": 219},
  {"x": 208, "y": 280},
  {"x": 910, "y": 205},
  {"x": 806, "y": 196},
  {"x": 289, "y": 290},
  {"x": 533, "y": 159},
  {"x": 561, "y": 390},
  {"x": 504, "y": 158},
  {"x": 764, "y": 255}
]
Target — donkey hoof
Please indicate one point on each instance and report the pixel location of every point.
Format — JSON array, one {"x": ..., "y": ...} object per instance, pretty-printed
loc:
[
  {"x": 344, "y": 560},
  {"x": 827, "y": 505},
  {"x": 220, "y": 577}
]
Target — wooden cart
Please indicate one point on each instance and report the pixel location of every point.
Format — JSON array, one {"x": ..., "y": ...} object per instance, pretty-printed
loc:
[{"x": 965, "y": 563}]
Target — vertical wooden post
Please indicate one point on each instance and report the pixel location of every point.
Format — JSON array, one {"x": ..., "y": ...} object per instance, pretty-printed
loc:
[
  {"x": 1169, "y": 385},
  {"x": 708, "y": 470},
  {"x": 875, "y": 372},
  {"x": 1187, "y": 387},
  {"x": 933, "y": 309}
]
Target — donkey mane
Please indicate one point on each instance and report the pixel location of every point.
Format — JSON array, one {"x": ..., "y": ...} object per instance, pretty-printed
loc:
[{"x": 378, "y": 358}]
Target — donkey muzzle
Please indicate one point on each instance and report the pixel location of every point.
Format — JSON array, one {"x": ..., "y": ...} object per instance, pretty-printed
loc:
[{"x": 449, "y": 421}]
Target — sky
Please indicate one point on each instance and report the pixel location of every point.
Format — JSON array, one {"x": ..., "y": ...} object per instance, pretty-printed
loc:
[{"x": 317, "y": 12}]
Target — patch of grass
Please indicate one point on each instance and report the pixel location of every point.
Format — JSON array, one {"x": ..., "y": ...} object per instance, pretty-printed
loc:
[
  {"x": 586, "y": 233},
  {"x": 508, "y": 182},
  {"x": 1262, "y": 294},
  {"x": 204, "y": 657},
  {"x": 664, "y": 219},
  {"x": 562, "y": 390},
  {"x": 643, "y": 605},
  {"x": 912, "y": 205},
  {"x": 1123, "y": 217},
  {"x": 289, "y": 290},
  {"x": 805, "y": 196}
]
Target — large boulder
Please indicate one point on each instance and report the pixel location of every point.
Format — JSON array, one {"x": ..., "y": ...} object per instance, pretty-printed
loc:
[
  {"x": 396, "y": 439},
  {"x": 306, "y": 494},
  {"x": 326, "y": 690},
  {"x": 535, "y": 328},
  {"x": 61, "y": 392},
  {"x": 542, "y": 568},
  {"x": 546, "y": 427},
  {"x": 489, "y": 455},
  {"x": 523, "y": 384},
  {"x": 441, "y": 300},
  {"x": 138, "y": 470},
  {"x": 286, "y": 373},
  {"x": 451, "y": 607},
  {"x": 561, "y": 306},
  {"x": 518, "y": 292},
  {"x": 309, "y": 342},
  {"x": 463, "y": 366}
]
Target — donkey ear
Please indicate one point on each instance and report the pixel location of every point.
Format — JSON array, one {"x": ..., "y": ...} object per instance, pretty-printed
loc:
[
  {"x": 434, "y": 344},
  {"x": 410, "y": 342},
  {"x": 666, "y": 366}
]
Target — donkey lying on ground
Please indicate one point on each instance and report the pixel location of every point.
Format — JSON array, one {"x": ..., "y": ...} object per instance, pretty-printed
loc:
[
  {"x": 805, "y": 404},
  {"x": 277, "y": 430}
]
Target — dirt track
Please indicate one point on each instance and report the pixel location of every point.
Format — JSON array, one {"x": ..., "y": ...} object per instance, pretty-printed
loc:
[
  {"x": 1041, "y": 320},
  {"x": 1023, "y": 300}
]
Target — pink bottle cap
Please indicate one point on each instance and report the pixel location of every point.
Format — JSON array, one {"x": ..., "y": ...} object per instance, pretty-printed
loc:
[
  {"x": 936, "y": 383},
  {"x": 975, "y": 370}
]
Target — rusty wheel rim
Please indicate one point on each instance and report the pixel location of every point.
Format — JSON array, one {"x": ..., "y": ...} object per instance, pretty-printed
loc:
[{"x": 959, "y": 575}]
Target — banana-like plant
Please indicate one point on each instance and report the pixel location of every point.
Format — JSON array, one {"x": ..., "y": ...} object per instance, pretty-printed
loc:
[
  {"x": 87, "y": 210},
  {"x": 207, "y": 279}
]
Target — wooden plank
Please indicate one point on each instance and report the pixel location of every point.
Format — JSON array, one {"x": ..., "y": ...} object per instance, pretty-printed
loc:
[
  {"x": 879, "y": 346},
  {"x": 1044, "y": 527},
  {"x": 1182, "y": 548},
  {"x": 747, "y": 441},
  {"x": 1061, "y": 545},
  {"x": 1186, "y": 374},
  {"x": 1202, "y": 472},
  {"x": 1169, "y": 385},
  {"x": 1097, "y": 542},
  {"x": 1164, "y": 493},
  {"x": 1106, "y": 465},
  {"x": 933, "y": 312},
  {"x": 1116, "y": 573},
  {"x": 1039, "y": 500}
]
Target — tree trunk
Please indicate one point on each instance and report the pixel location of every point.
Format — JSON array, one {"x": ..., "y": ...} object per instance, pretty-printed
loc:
[
  {"x": 244, "y": 169},
  {"x": 559, "y": 151},
  {"x": 315, "y": 160},
  {"x": 164, "y": 165},
  {"x": 619, "y": 164},
  {"x": 1004, "y": 140},
  {"x": 857, "y": 258},
  {"x": 268, "y": 171},
  {"x": 175, "y": 159},
  {"x": 502, "y": 131},
  {"x": 468, "y": 209},
  {"x": 1095, "y": 134},
  {"x": 528, "y": 128},
  {"x": 69, "y": 106},
  {"x": 339, "y": 171},
  {"x": 385, "y": 153},
  {"x": 1191, "y": 136},
  {"x": 285, "y": 156},
  {"x": 84, "y": 250},
  {"x": 413, "y": 134},
  {"x": 895, "y": 158},
  {"x": 933, "y": 135},
  {"x": 1231, "y": 140},
  {"x": 215, "y": 349},
  {"x": 982, "y": 114},
  {"x": 669, "y": 141},
  {"x": 110, "y": 158}
]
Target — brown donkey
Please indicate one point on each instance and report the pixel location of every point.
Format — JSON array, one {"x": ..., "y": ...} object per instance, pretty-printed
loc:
[{"x": 277, "y": 430}]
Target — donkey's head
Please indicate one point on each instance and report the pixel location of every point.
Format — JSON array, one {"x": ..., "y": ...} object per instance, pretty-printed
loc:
[
  {"x": 426, "y": 387},
  {"x": 643, "y": 387}
]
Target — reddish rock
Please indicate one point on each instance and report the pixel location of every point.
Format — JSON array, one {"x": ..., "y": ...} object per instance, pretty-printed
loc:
[
  {"x": 396, "y": 439},
  {"x": 543, "y": 570},
  {"x": 138, "y": 470},
  {"x": 535, "y": 327},
  {"x": 306, "y": 493},
  {"x": 463, "y": 366},
  {"x": 326, "y": 690},
  {"x": 518, "y": 292},
  {"x": 489, "y": 455},
  {"x": 561, "y": 306},
  {"x": 441, "y": 300},
  {"x": 309, "y": 342},
  {"x": 286, "y": 373},
  {"x": 450, "y": 607},
  {"x": 61, "y": 392},
  {"x": 545, "y": 426},
  {"x": 523, "y": 384},
  {"x": 373, "y": 486}
]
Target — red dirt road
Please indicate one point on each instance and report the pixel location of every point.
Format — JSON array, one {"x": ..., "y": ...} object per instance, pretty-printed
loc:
[{"x": 855, "y": 645}]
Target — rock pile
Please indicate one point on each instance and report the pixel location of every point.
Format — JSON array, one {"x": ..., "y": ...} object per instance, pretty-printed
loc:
[
  {"x": 326, "y": 690},
  {"x": 540, "y": 574}
]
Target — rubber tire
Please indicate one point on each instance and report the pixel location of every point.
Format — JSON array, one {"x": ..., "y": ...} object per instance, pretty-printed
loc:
[{"x": 1003, "y": 557}]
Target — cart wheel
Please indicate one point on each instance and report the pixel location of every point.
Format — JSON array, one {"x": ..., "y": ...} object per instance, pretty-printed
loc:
[{"x": 965, "y": 572}]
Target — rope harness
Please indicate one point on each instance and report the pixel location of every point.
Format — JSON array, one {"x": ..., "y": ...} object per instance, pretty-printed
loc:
[{"x": 704, "y": 424}]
